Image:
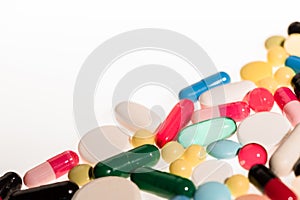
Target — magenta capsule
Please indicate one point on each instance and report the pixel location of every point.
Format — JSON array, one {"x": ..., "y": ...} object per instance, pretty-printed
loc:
[
  {"x": 289, "y": 104},
  {"x": 236, "y": 111},
  {"x": 51, "y": 169},
  {"x": 179, "y": 116}
]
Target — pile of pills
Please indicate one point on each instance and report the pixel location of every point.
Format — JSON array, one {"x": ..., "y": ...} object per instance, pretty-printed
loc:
[{"x": 185, "y": 155}]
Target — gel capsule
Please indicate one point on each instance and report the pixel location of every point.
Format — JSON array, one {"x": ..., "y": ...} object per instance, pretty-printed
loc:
[
  {"x": 181, "y": 168},
  {"x": 172, "y": 151},
  {"x": 162, "y": 184},
  {"x": 236, "y": 110},
  {"x": 284, "y": 75},
  {"x": 268, "y": 83},
  {"x": 294, "y": 28},
  {"x": 142, "y": 137},
  {"x": 9, "y": 183},
  {"x": 276, "y": 56},
  {"x": 274, "y": 41},
  {"x": 51, "y": 169},
  {"x": 194, "y": 154},
  {"x": 289, "y": 104},
  {"x": 267, "y": 182},
  {"x": 260, "y": 99},
  {"x": 194, "y": 91},
  {"x": 252, "y": 154},
  {"x": 124, "y": 163},
  {"x": 57, "y": 191},
  {"x": 238, "y": 185},
  {"x": 294, "y": 63},
  {"x": 179, "y": 116}
]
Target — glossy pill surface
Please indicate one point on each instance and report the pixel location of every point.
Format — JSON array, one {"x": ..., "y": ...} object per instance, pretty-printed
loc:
[
  {"x": 284, "y": 75},
  {"x": 293, "y": 62},
  {"x": 206, "y": 132},
  {"x": 172, "y": 151},
  {"x": 81, "y": 174},
  {"x": 274, "y": 41},
  {"x": 212, "y": 190},
  {"x": 142, "y": 137},
  {"x": 179, "y": 116},
  {"x": 294, "y": 28},
  {"x": 9, "y": 183},
  {"x": 238, "y": 185},
  {"x": 260, "y": 99},
  {"x": 194, "y": 154},
  {"x": 296, "y": 84},
  {"x": 194, "y": 91},
  {"x": 255, "y": 71},
  {"x": 268, "y": 83},
  {"x": 181, "y": 168},
  {"x": 276, "y": 56},
  {"x": 292, "y": 44},
  {"x": 180, "y": 197},
  {"x": 124, "y": 163},
  {"x": 252, "y": 154},
  {"x": 223, "y": 149},
  {"x": 51, "y": 169},
  {"x": 168, "y": 186},
  {"x": 56, "y": 191},
  {"x": 252, "y": 197}
]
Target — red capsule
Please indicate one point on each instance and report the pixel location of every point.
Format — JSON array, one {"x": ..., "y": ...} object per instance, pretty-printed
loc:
[
  {"x": 260, "y": 99},
  {"x": 179, "y": 116}
]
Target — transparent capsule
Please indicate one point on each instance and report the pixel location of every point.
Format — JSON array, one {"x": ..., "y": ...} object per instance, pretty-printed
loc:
[
  {"x": 172, "y": 151},
  {"x": 276, "y": 56},
  {"x": 284, "y": 75},
  {"x": 194, "y": 154},
  {"x": 260, "y": 99}
]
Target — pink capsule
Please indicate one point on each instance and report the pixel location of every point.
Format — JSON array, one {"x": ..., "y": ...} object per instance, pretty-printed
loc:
[
  {"x": 51, "y": 169},
  {"x": 236, "y": 110},
  {"x": 179, "y": 116},
  {"x": 260, "y": 99}
]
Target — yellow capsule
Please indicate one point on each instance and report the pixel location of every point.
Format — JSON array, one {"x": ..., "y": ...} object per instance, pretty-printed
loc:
[
  {"x": 194, "y": 154},
  {"x": 172, "y": 151},
  {"x": 238, "y": 185},
  {"x": 81, "y": 174},
  {"x": 142, "y": 137},
  {"x": 272, "y": 41},
  {"x": 269, "y": 83},
  {"x": 276, "y": 56},
  {"x": 284, "y": 75},
  {"x": 181, "y": 168},
  {"x": 255, "y": 71}
]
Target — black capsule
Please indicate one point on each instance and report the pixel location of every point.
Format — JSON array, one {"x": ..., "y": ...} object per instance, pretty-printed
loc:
[
  {"x": 297, "y": 168},
  {"x": 296, "y": 84},
  {"x": 294, "y": 28},
  {"x": 9, "y": 183},
  {"x": 57, "y": 191}
]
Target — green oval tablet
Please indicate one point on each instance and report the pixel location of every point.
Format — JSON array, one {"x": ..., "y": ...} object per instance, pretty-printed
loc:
[{"x": 206, "y": 132}]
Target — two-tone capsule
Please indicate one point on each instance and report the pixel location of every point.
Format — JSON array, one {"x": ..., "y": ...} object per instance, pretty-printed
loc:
[{"x": 9, "y": 183}]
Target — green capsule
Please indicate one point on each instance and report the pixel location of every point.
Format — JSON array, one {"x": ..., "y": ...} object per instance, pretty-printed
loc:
[
  {"x": 206, "y": 132},
  {"x": 124, "y": 163},
  {"x": 162, "y": 183}
]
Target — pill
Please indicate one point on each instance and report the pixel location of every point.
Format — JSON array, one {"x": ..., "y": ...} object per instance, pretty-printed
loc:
[
  {"x": 255, "y": 71},
  {"x": 236, "y": 111},
  {"x": 252, "y": 154},
  {"x": 294, "y": 28},
  {"x": 273, "y": 41},
  {"x": 172, "y": 151},
  {"x": 211, "y": 170},
  {"x": 296, "y": 168},
  {"x": 292, "y": 44},
  {"x": 284, "y": 75},
  {"x": 289, "y": 104},
  {"x": 142, "y": 137},
  {"x": 52, "y": 169},
  {"x": 267, "y": 182},
  {"x": 295, "y": 185},
  {"x": 205, "y": 132},
  {"x": 124, "y": 163},
  {"x": 109, "y": 188},
  {"x": 194, "y": 154},
  {"x": 102, "y": 143},
  {"x": 9, "y": 183},
  {"x": 238, "y": 185},
  {"x": 259, "y": 128},
  {"x": 293, "y": 62},
  {"x": 268, "y": 83},
  {"x": 223, "y": 149},
  {"x": 229, "y": 93},
  {"x": 252, "y": 197},
  {"x": 260, "y": 99},
  {"x": 56, "y": 191},
  {"x": 194, "y": 91},
  {"x": 181, "y": 168},
  {"x": 134, "y": 116},
  {"x": 276, "y": 56},
  {"x": 286, "y": 155},
  {"x": 296, "y": 85},
  {"x": 212, "y": 190},
  {"x": 81, "y": 174},
  {"x": 162, "y": 184},
  {"x": 180, "y": 197},
  {"x": 179, "y": 116}
]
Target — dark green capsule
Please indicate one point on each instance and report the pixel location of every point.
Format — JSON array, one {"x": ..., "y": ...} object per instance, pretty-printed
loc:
[
  {"x": 162, "y": 183},
  {"x": 124, "y": 163}
]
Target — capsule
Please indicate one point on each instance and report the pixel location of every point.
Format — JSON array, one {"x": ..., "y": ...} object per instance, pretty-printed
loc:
[
  {"x": 194, "y": 91},
  {"x": 124, "y": 163},
  {"x": 294, "y": 63},
  {"x": 57, "y": 191},
  {"x": 236, "y": 110},
  {"x": 296, "y": 168},
  {"x": 179, "y": 116},
  {"x": 286, "y": 155},
  {"x": 51, "y": 169},
  {"x": 289, "y": 104},
  {"x": 162, "y": 183},
  {"x": 296, "y": 85},
  {"x": 260, "y": 99},
  {"x": 294, "y": 28},
  {"x": 9, "y": 183},
  {"x": 268, "y": 183}
]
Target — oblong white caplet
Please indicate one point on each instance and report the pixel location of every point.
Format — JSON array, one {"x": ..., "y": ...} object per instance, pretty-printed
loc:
[
  {"x": 287, "y": 154},
  {"x": 108, "y": 188},
  {"x": 228, "y": 93},
  {"x": 134, "y": 116}
]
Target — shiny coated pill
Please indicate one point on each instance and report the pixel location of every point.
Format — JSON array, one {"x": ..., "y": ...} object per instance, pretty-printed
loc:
[
  {"x": 238, "y": 185},
  {"x": 252, "y": 154},
  {"x": 276, "y": 56},
  {"x": 255, "y": 71},
  {"x": 212, "y": 190},
  {"x": 260, "y": 99},
  {"x": 81, "y": 174},
  {"x": 172, "y": 151},
  {"x": 268, "y": 83},
  {"x": 293, "y": 62},
  {"x": 142, "y": 137},
  {"x": 223, "y": 149},
  {"x": 284, "y": 75},
  {"x": 273, "y": 41},
  {"x": 194, "y": 154},
  {"x": 294, "y": 28},
  {"x": 9, "y": 183},
  {"x": 292, "y": 44},
  {"x": 181, "y": 168}
]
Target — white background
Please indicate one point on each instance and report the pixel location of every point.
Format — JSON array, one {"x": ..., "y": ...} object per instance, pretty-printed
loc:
[{"x": 43, "y": 45}]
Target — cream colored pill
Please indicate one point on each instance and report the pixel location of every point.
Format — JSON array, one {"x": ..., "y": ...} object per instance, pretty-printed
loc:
[
  {"x": 274, "y": 41},
  {"x": 252, "y": 197},
  {"x": 142, "y": 137},
  {"x": 172, "y": 151},
  {"x": 292, "y": 44}
]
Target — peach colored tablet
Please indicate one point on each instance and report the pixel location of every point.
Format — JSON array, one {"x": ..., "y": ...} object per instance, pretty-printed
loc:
[{"x": 252, "y": 197}]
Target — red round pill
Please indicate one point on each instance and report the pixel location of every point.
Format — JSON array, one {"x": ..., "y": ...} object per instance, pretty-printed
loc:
[
  {"x": 260, "y": 99},
  {"x": 252, "y": 154}
]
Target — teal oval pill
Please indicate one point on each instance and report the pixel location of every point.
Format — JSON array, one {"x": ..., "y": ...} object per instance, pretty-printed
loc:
[
  {"x": 205, "y": 132},
  {"x": 212, "y": 191},
  {"x": 223, "y": 149}
]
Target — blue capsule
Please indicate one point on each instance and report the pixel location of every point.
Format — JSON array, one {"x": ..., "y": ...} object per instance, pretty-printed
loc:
[
  {"x": 194, "y": 91},
  {"x": 294, "y": 63}
]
